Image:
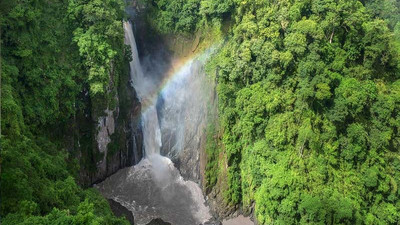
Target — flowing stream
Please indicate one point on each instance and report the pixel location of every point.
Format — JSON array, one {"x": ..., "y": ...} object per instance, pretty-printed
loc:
[{"x": 154, "y": 188}]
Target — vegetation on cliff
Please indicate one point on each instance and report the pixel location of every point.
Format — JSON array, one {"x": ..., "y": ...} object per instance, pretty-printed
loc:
[
  {"x": 308, "y": 94},
  {"x": 309, "y": 106},
  {"x": 53, "y": 54}
]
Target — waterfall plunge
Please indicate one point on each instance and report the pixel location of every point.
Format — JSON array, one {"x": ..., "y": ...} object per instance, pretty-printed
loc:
[
  {"x": 154, "y": 188},
  {"x": 145, "y": 89}
]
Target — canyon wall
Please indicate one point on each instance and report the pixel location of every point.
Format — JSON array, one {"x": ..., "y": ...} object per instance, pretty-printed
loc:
[{"x": 108, "y": 138}]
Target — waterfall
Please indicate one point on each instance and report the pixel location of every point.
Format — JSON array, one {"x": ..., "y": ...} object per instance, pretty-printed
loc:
[
  {"x": 154, "y": 188},
  {"x": 145, "y": 88}
]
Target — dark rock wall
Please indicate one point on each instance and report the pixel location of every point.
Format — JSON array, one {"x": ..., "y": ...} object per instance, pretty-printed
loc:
[
  {"x": 112, "y": 140},
  {"x": 121, "y": 211}
]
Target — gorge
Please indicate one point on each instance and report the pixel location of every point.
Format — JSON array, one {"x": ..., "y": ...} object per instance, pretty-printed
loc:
[
  {"x": 191, "y": 112},
  {"x": 154, "y": 188}
]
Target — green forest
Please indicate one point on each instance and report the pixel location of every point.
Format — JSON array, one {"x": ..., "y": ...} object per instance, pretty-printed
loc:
[
  {"x": 51, "y": 51},
  {"x": 308, "y": 122},
  {"x": 308, "y": 106}
]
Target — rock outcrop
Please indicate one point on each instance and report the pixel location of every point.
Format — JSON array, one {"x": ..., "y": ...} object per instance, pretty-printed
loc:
[
  {"x": 120, "y": 211},
  {"x": 111, "y": 138},
  {"x": 158, "y": 222}
]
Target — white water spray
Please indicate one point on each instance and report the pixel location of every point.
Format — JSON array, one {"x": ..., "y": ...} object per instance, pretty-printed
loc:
[
  {"x": 144, "y": 88},
  {"x": 154, "y": 188}
]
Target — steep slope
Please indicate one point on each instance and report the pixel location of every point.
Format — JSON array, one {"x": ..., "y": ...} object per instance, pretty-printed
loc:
[
  {"x": 69, "y": 114},
  {"x": 308, "y": 95}
]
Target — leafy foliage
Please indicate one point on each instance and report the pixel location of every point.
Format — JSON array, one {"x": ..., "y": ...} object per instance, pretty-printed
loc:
[
  {"x": 99, "y": 36},
  {"x": 309, "y": 109},
  {"x": 43, "y": 72},
  {"x": 186, "y": 16}
]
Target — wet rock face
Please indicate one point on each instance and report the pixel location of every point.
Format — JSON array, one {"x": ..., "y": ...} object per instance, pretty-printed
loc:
[
  {"x": 158, "y": 222},
  {"x": 183, "y": 113},
  {"x": 106, "y": 128},
  {"x": 119, "y": 138},
  {"x": 113, "y": 140},
  {"x": 121, "y": 211}
]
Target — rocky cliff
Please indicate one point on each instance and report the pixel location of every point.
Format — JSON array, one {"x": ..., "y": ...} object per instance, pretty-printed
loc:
[{"x": 109, "y": 138}]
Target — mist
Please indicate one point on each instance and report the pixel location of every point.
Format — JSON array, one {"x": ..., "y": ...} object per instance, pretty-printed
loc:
[{"x": 174, "y": 108}]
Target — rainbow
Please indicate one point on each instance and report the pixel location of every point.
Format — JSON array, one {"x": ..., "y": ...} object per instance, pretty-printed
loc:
[{"x": 175, "y": 73}]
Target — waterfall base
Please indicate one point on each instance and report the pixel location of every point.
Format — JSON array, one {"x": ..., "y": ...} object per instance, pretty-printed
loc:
[{"x": 155, "y": 189}]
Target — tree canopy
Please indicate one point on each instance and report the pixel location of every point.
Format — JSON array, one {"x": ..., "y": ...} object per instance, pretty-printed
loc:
[
  {"x": 49, "y": 50},
  {"x": 309, "y": 102}
]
